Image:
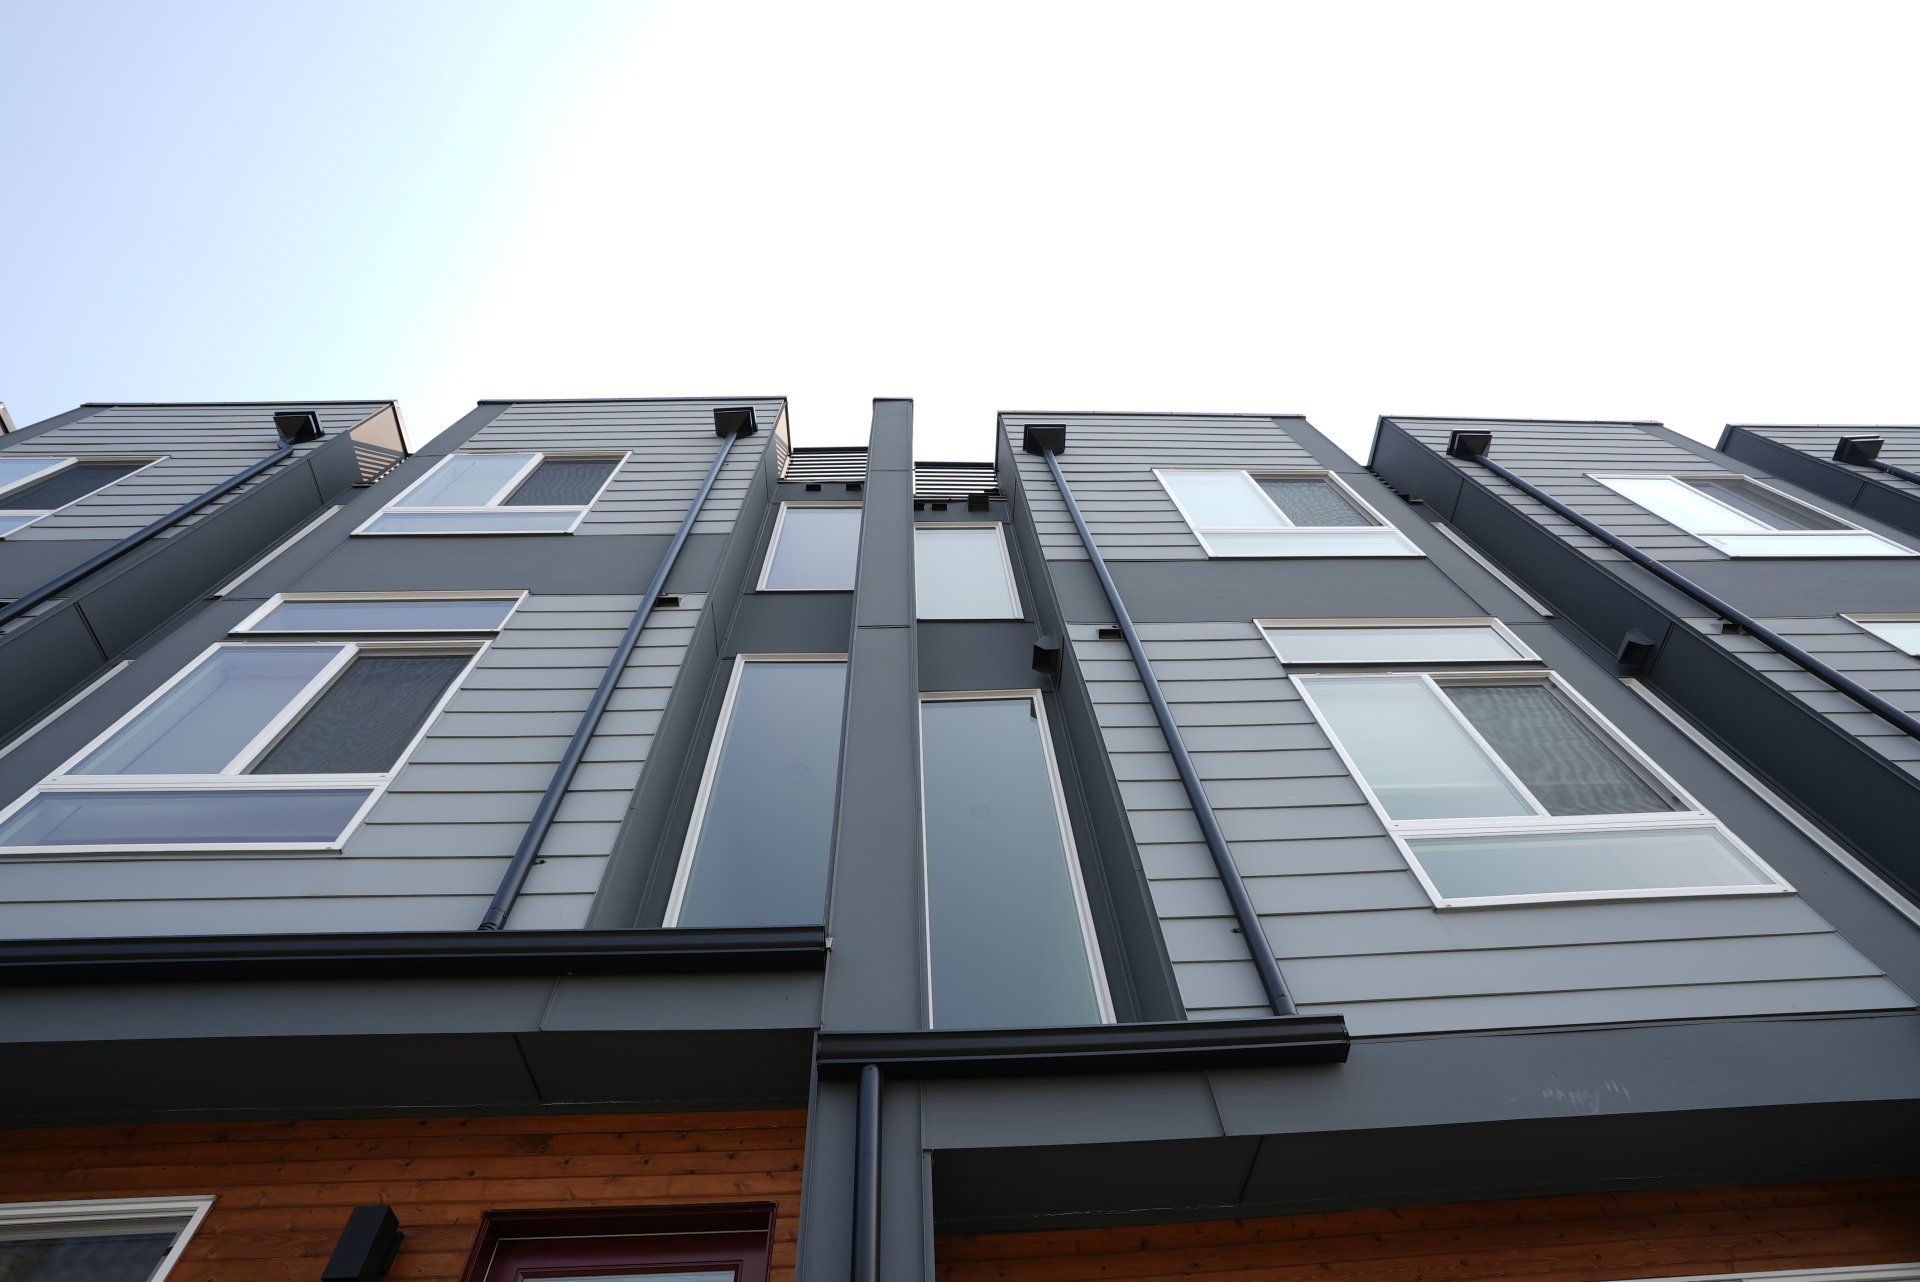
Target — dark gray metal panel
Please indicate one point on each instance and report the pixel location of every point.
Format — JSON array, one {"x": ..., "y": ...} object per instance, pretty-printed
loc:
[
  {"x": 764, "y": 1067},
  {"x": 60, "y": 652},
  {"x": 791, "y": 623},
  {"x": 977, "y": 655},
  {"x": 825, "y": 1247},
  {"x": 1115, "y": 1108},
  {"x": 588, "y": 1003},
  {"x": 977, "y": 1189},
  {"x": 875, "y": 977},
  {"x": 25, "y": 566},
  {"x": 541, "y": 563},
  {"x": 1293, "y": 588}
]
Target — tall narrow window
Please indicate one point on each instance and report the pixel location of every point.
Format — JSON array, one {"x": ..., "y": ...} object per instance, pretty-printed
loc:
[
  {"x": 126, "y": 1240},
  {"x": 32, "y": 488},
  {"x": 1742, "y": 517},
  {"x": 1500, "y": 790},
  {"x": 1288, "y": 514},
  {"x": 483, "y": 493},
  {"x": 816, "y": 547},
  {"x": 1009, "y": 936},
  {"x": 255, "y": 746},
  {"x": 762, "y": 832},
  {"x": 962, "y": 572}
]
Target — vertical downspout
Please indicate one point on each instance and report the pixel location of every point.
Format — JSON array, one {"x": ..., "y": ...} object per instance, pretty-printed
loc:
[
  {"x": 729, "y": 425},
  {"x": 1047, "y": 442},
  {"x": 866, "y": 1179}
]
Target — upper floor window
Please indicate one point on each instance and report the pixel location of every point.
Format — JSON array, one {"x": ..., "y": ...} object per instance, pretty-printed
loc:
[
  {"x": 1009, "y": 936},
  {"x": 757, "y": 851},
  {"x": 1900, "y": 633},
  {"x": 816, "y": 547},
  {"x": 1501, "y": 786},
  {"x": 307, "y": 613},
  {"x": 1742, "y": 517},
  {"x": 1236, "y": 513},
  {"x": 255, "y": 745},
  {"x": 963, "y": 572},
  {"x": 32, "y": 488},
  {"x": 499, "y": 494},
  {"x": 119, "y": 1240}
]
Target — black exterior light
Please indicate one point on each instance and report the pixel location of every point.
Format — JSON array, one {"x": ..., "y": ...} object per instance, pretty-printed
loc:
[
  {"x": 1858, "y": 450},
  {"x": 1464, "y": 444},
  {"x": 734, "y": 421},
  {"x": 1044, "y": 438},
  {"x": 976, "y": 502},
  {"x": 1046, "y": 656},
  {"x": 297, "y": 427},
  {"x": 366, "y": 1247}
]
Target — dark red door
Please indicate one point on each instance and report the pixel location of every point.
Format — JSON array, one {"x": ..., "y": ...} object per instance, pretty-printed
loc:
[{"x": 692, "y": 1244}]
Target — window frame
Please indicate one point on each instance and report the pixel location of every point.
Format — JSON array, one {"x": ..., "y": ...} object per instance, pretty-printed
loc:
[
  {"x": 773, "y": 543},
  {"x": 1083, "y": 904},
  {"x": 193, "y": 1208},
  {"x": 232, "y": 777},
  {"x": 1688, "y": 812},
  {"x": 1390, "y": 532},
  {"x": 1712, "y": 538},
  {"x": 63, "y": 463},
  {"x": 1523, "y": 653},
  {"x": 249, "y": 625},
  {"x": 710, "y": 769},
  {"x": 1866, "y": 622},
  {"x": 619, "y": 459},
  {"x": 1006, "y": 566}
]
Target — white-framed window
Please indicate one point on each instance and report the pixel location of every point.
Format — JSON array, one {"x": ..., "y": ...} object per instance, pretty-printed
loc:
[
  {"x": 1279, "y": 513},
  {"x": 363, "y": 613},
  {"x": 815, "y": 548},
  {"x": 1743, "y": 517},
  {"x": 1901, "y": 631},
  {"x": 34, "y": 488},
  {"x": 488, "y": 492},
  {"x": 136, "y": 1239},
  {"x": 256, "y": 745},
  {"x": 757, "y": 849},
  {"x": 1502, "y": 786},
  {"x": 961, "y": 570},
  {"x": 1850, "y": 1273},
  {"x": 1328, "y": 642},
  {"x": 1010, "y": 937}
]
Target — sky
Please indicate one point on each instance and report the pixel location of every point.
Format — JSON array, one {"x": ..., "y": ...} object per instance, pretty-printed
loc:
[{"x": 1699, "y": 213}]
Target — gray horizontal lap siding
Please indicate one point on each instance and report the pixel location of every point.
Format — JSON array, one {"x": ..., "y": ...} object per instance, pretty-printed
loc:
[
  {"x": 1352, "y": 928},
  {"x": 1109, "y": 462},
  {"x": 202, "y": 445},
  {"x": 432, "y": 849},
  {"x": 1556, "y": 457},
  {"x": 1902, "y": 449},
  {"x": 1888, "y": 672},
  {"x": 673, "y": 445}
]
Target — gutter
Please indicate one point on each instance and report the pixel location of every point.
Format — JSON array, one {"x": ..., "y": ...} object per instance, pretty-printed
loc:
[
  {"x": 729, "y": 425},
  {"x": 1049, "y": 441},
  {"x": 295, "y": 428},
  {"x": 1472, "y": 447}
]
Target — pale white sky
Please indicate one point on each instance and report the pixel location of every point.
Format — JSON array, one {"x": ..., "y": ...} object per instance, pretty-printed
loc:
[{"x": 1699, "y": 213}]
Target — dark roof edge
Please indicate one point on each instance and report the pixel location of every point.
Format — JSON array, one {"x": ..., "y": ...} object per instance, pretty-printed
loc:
[
  {"x": 1517, "y": 420},
  {"x": 292, "y": 401},
  {"x": 1003, "y": 415},
  {"x": 619, "y": 400},
  {"x": 462, "y": 953},
  {"x": 1102, "y": 1048}
]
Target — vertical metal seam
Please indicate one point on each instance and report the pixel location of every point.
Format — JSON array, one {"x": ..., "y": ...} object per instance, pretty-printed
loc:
[
  {"x": 866, "y": 1178},
  {"x": 1258, "y": 947},
  {"x": 515, "y": 877}
]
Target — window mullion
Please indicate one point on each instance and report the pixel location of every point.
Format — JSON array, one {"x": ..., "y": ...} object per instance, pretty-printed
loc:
[
  {"x": 515, "y": 481},
  {"x": 270, "y": 734},
  {"x": 1286, "y": 522},
  {"x": 1499, "y": 762}
]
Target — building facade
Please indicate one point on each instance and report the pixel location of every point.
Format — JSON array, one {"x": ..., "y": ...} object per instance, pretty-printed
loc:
[{"x": 612, "y": 842}]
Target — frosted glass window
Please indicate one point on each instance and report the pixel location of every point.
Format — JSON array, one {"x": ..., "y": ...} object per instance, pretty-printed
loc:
[
  {"x": 1393, "y": 644},
  {"x": 14, "y": 471},
  {"x": 129, "y": 820},
  {"x": 466, "y": 480},
  {"x": 1902, "y": 634},
  {"x": 1009, "y": 947},
  {"x": 961, "y": 572},
  {"x": 1412, "y": 751},
  {"x": 1309, "y": 500},
  {"x": 1221, "y": 498},
  {"x": 764, "y": 828},
  {"x": 1563, "y": 763},
  {"x": 563, "y": 483},
  {"x": 486, "y": 521},
  {"x": 429, "y": 614},
  {"x": 1848, "y": 543},
  {"x": 814, "y": 548},
  {"x": 366, "y": 718},
  {"x": 1622, "y": 861},
  {"x": 201, "y": 724}
]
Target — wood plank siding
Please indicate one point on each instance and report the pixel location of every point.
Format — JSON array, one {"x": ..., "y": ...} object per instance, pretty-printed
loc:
[
  {"x": 1587, "y": 1238},
  {"x": 282, "y": 1190}
]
